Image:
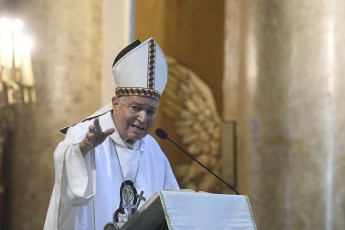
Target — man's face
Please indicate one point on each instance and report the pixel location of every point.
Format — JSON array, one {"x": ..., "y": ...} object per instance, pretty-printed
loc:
[{"x": 134, "y": 116}]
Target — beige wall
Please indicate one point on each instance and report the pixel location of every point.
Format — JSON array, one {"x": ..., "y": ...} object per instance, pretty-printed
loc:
[
  {"x": 67, "y": 60},
  {"x": 118, "y": 29},
  {"x": 289, "y": 108}
]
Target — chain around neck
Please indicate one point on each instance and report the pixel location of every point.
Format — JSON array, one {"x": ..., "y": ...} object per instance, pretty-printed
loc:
[{"x": 118, "y": 159}]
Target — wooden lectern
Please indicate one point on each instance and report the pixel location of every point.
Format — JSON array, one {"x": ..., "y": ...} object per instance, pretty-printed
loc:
[{"x": 176, "y": 210}]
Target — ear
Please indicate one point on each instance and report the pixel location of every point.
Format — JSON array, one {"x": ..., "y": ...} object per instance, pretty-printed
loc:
[{"x": 115, "y": 102}]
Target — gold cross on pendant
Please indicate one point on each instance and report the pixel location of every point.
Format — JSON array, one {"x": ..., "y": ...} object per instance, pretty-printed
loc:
[{"x": 141, "y": 197}]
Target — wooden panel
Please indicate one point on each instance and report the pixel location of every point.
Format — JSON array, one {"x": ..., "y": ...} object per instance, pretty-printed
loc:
[{"x": 193, "y": 33}]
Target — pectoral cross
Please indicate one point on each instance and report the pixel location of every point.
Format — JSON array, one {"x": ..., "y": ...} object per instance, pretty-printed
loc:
[{"x": 141, "y": 197}]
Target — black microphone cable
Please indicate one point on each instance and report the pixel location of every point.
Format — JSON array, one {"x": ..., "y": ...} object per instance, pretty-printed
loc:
[{"x": 163, "y": 135}]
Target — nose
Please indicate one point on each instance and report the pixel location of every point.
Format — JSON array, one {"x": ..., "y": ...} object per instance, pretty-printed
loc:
[{"x": 142, "y": 117}]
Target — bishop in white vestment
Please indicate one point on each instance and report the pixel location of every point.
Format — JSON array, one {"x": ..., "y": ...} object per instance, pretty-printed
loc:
[{"x": 106, "y": 161}]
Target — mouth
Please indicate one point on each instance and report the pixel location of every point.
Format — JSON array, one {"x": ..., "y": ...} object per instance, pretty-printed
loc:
[{"x": 141, "y": 128}]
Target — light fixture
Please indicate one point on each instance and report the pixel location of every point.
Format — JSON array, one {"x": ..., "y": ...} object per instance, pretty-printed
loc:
[{"x": 16, "y": 74}]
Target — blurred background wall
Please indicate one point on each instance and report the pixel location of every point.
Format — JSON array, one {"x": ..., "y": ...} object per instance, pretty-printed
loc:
[{"x": 267, "y": 74}]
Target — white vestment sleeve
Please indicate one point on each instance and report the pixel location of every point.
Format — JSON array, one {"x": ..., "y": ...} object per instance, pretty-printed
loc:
[
  {"x": 75, "y": 183},
  {"x": 81, "y": 175},
  {"x": 169, "y": 180}
]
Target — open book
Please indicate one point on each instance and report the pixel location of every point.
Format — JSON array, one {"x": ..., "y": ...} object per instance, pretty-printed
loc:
[{"x": 187, "y": 209}]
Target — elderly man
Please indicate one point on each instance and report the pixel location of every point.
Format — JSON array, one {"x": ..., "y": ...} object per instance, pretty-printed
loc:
[{"x": 108, "y": 159}]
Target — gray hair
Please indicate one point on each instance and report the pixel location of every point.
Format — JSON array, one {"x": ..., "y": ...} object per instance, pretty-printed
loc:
[{"x": 122, "y": 98}]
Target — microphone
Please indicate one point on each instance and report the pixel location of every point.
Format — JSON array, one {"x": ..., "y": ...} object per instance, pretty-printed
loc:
[{"x": 162, "y": 134}]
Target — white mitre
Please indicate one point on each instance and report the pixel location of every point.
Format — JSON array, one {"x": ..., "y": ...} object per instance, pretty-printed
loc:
[{"x": 140, "y": 69}]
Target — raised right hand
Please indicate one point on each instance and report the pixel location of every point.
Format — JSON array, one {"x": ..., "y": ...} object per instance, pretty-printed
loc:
[{"x": 95, "y": 136}]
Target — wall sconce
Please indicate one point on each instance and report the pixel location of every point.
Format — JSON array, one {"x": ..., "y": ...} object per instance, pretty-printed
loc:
[
  {"x": 16, "y": 89},
  {"x": 16, "y": 74}
]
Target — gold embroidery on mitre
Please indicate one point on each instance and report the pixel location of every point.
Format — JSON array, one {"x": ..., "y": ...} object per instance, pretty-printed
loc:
[
  {"x": 125, "y": 91},
  {"x": 151, "y": 65}
]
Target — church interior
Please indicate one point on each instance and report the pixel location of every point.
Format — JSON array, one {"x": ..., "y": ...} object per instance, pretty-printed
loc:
[{"x": 254, "y": 93}]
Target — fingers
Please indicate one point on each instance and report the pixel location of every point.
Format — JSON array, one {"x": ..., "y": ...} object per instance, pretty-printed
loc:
[
  {"x": 90, "y": 135},
  {"x": 92, "y": 143},
  {"x": 109, "y": 132},
  {"x": 97, "y": 128},
  {"x": 90, "y": 138},
  {"x": 97, "y": 125},
  {"x": 95, "y": 135},
  {"x": 92, "y": 128}
]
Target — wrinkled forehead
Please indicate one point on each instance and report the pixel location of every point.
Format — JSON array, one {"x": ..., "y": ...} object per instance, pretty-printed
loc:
[{"x": 141, "y": 100}]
